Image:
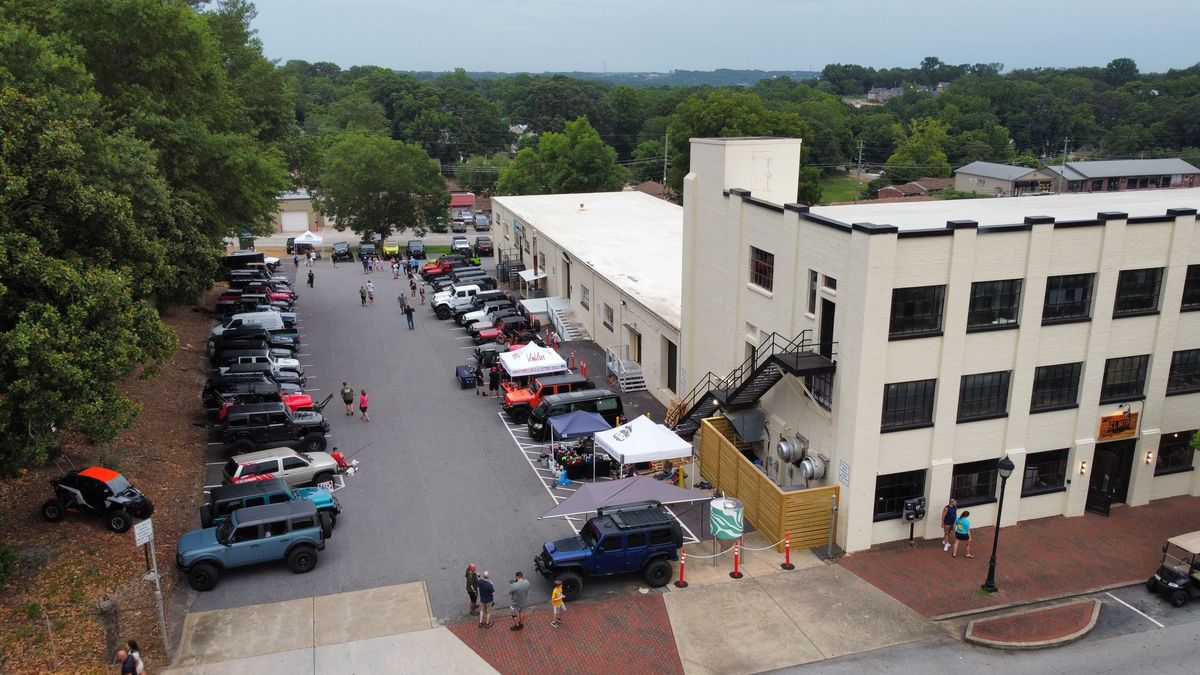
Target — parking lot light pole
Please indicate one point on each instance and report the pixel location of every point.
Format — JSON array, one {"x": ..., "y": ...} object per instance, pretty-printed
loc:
[{"x": 1005, "y": 468}]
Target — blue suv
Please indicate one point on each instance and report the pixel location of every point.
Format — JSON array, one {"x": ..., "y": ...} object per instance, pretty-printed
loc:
[{"x": 640, "y": 537}]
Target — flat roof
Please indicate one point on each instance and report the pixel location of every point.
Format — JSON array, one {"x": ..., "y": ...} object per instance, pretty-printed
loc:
[
  {"x": 989, "y": 211},
  {"x": 633, "y": 240}
]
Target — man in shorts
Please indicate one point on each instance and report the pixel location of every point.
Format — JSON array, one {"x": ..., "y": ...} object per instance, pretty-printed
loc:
[
  {"x": 348, "y": 398},
  {"x": 518, "y": 594}
]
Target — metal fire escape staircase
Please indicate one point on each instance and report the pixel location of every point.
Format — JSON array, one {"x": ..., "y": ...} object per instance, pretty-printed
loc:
[{"x": 742, "y": 388}]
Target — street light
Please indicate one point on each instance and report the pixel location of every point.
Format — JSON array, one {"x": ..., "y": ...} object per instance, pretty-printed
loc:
[{"x": 1005, "y": 467}]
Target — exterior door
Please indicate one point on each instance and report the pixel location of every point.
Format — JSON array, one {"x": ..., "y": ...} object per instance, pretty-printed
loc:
[
  {"x": 635, "y": 346},
  {"x": 672, "y": 365},
  {"x": 1112, "y": 464},
  {"x": 826, "y": 338},
  {"x": 566, "y": 280}
]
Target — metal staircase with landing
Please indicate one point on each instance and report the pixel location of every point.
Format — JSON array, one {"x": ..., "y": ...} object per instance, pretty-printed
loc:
[{"x": 746, "y": 384}]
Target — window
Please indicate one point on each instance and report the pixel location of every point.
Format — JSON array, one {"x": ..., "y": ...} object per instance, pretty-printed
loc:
[
  {"x": 974, "y": 482},
  {"x": 1191, "y": 289},
  {"x": 1174, "y": 453},
  {"x": 983, "y": 396},
  {"x": 821, "y": 386},
  {"x": 1185, "y": 372},
  {"x": 608, "y": 317},
  {"x": 1045, "y": 472},
  {"x": 1068, "y": 298},
  {"x": 659, "y": 537},
  {"x": 891, "y": 491},
  {"x": 1137, "y": 292},
  {"x": 635, "y": 540},
  {"x": 303, "y": 523},
  {"x": 994, "y": 304},
  {"x": 247, "y": 533},
  {"x": 291, "y": 463},
  {"x": 607, "y": 404},
  {"x": 762, "y": 268},
  {"x": 1055, "y": 387},
  {"x": 917, "y": 312},
  {"x": 281, "y": 498},
  {"x": 585, "y": 297},
  {"x": 1124, "y": 379},
  {"x": 830, "y": 283},
  {"x": 812, "y": 291},
  {"x": 908, "y": 405},
  {"x": 275, "y": 529},
  {"x": 269, "y": 466}
]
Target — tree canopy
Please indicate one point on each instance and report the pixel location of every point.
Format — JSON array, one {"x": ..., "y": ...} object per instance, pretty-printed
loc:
[{"x": 575, "y": 160}]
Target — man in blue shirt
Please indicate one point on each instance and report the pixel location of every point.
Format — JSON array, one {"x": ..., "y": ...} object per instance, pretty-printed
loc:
[{"x": 487, "y": 599}]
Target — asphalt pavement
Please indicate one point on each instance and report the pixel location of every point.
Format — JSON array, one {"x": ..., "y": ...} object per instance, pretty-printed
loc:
[{"x": 440, "y": 483}]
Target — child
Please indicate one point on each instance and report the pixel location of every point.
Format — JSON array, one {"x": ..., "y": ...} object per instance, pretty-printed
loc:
[{"x": 556, "y": 601}]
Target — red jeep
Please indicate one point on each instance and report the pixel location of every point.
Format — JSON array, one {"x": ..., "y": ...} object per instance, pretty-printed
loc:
[{"x": 520, "y": 401}]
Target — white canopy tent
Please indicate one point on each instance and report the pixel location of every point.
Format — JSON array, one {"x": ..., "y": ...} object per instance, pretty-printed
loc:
[
  {"x": 641, "y": 440},
  {"x": 529, "y": 276},
  {"x": 309, "y": 238},
  {"x": 532, "y": 360}
]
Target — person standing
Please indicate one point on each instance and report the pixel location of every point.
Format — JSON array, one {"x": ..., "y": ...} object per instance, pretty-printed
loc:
[
  {"x": 309, "y": 258},
  {"x": 362, "y": 404},
  {"x": 962, "y": 532},
  {"x": 348, "y": 398},
  {"x": 518, "y": 594},
  {"x": 125, "y": 660},
  {"x": 479, "y": 380},
  {"x": 311, "y": 276},
  {"x": 557, "y": 603},
  {"x": 136, "y": 653},
  {"x": 408, "y": 314},
  {"x": 366, "y": 262},
  {"x": 473, "y": 588},
  {"x": 487, "y": 599},
  {"x": 370, "y": 291},
  {"x": 362, "y": 294},
  {"x": 494, "y": 381},
  {"x": 422, "y": 295},
  {"x": 403, "y": 300},
  {"x": 412, "y": 285},
  {"x": 949, "y": 515},
  {"x": 296, "y": 259}
]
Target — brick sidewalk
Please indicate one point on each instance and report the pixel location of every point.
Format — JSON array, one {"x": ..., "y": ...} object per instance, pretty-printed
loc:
[
  {"x": 1037, "y": 559},
  {"x": 622, "y": 635}
]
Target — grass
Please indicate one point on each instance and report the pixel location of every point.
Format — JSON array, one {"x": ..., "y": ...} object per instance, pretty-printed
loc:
[{"x": 839, "y": 189}]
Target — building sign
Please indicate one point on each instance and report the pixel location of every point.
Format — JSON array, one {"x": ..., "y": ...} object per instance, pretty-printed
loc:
[
  {"x": 844, "y": 473},
  {"x": 143, "y": 532},
  {"x": 1117, "y": 426}
]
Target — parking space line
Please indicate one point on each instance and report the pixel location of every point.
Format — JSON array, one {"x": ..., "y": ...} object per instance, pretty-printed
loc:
[
  {"x": 210, "y": 487},
  {"x": 557, "y": 499},
  {"x": 214, "y": 464},
  {"x": 1136, "y": 610}
]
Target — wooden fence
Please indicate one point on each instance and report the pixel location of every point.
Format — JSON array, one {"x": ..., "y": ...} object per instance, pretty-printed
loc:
[{"x": 804, "y": 515}]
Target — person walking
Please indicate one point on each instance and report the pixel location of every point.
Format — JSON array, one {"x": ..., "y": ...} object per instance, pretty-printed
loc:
[
  {"x": 370, "y": 291},
  {"x": 557, "y": 603},
  {"x": 125, "y": 660},
  {"x": 962, "y": 532},
  {"x": 949, "y": 515},
  {"x": 395, "y": 269},
  {"x": 309, "y": 258},
  {"x": 403, "y": 300},
  {"x": 422, "y": 295},
  {"x": 311, "y": 277},
  {"x": 487, "y": 599},
  {"x": 136, "y": 652},
  {"x": 479, "y": 380},
  {"x": 362, "y": 404},
  {"x": 296, "y": 259},
  {"x": 366, "y": 262},
  {"x": 348, "y": 398},
  {"x": 494, "y": 381},
  {"x": 473, "y": 588},
  {"x": 412, "y": 285},
  {"x": 408, "y": 314},
  {"x": 518, "y": 594},
  {"x": 362, "y": 294}
]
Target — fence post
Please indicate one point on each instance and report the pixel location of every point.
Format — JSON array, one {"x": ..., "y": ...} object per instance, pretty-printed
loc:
[{"x": 832, "y": 523}]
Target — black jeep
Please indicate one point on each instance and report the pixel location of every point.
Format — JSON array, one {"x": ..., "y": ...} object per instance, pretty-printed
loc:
[
  {"x": 99, "y": 492},
  {"x": 342, "y": 252},
  {"x": 259, "y": 426}
]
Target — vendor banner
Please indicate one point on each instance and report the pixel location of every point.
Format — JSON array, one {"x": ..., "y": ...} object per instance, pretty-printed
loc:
[{"x": 725, "y": 517}]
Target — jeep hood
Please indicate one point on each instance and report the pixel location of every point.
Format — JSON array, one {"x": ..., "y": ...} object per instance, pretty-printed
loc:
[
  {"x": 307, "y": 417},
  {"x": 317, "y": 495},
  {"x": 196, "y": 542},
  {"x": 567, "y": 550}
]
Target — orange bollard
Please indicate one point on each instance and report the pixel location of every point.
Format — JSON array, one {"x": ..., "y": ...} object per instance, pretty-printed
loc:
[
  {"x": 682, "y": 562},
  {"x": 572, "y": 358},
  {"x": 583, "y": 368},
  {"x": 787, "y": 554},
  {"x": 737, "y": 561}
]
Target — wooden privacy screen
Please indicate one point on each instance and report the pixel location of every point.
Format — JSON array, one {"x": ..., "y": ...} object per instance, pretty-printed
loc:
[{"x": 801, "y": 514}]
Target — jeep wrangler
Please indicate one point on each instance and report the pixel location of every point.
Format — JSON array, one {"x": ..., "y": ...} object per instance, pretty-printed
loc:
[
  {"x": 639, "y": 537},
  {"x": 520, "y": 401},
  {"x": 270, "y": 425},
  {"x": 225, "y": 499}
]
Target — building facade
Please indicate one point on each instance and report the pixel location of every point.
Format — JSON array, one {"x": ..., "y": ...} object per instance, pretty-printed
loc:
[
  {"x": 1060, "y": 331},
  {"x": 296, "y": 213},
  {"x": 1002, "y": 180},
  {"x": 1124, "y": 174}
]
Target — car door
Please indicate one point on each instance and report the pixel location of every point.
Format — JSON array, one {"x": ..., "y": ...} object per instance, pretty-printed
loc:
[
  {"x": 94, "y": 493},
  {"x": 635, "y": 551},
  {"x": 279, "y": 427},
  {"x": 275, "y": 539},
  {"x": 244, "y": 550},
  {"x": 296, "y": 470},
  {"x": 259, "y": 427},
  {"x": 610, "y": 557}
]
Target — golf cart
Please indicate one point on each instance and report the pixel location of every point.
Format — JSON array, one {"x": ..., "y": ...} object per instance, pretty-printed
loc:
[{"x": 1178, "y": 574}]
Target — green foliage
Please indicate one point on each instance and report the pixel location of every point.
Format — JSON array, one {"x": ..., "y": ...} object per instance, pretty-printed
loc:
[
  {"x": 8, "y": 562},
  {"x": 573, "y": 161},
  {"x": 809, "y": 191},
  {"x": 956, "y": 194},
  {"x": 647, "y": 162},
  {"x": 920, "y": 154},
  {"x": 479, "y": 174},
  {"x": 376, "y": 185}
]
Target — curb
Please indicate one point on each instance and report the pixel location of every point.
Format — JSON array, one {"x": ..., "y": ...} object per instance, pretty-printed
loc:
[
  {"x": 1034, "y": 644},
  {"x": 1026, "y": 603}
]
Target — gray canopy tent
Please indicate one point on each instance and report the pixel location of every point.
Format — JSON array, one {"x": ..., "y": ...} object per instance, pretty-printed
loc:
[
  {"x": 577, "y": 424},
  {"x": 592, "y": 496}
]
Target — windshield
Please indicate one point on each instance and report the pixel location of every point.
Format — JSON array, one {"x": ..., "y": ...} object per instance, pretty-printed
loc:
[
  {"x": 590, "y": 535},
  {"x": 224, "y": 530},
  {"x": 540, "y": 411},
  {"x": 231, "y": 468},
  {"x": 118, "y": 484}
]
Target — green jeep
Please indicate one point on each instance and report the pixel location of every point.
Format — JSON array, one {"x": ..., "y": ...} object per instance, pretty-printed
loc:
[{"x": 225, "y": 499}]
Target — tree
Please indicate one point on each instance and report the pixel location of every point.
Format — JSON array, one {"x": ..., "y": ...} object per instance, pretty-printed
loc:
[
  {"x": 647, "y": 162},
  {"x": 1120, "y": 71},
  {"x": 352, "y": 112},
  {"x": 921, "y": 153},
  {"x": 375, "y": 185},
  {"x": 479, "y": 174},
  {"x": 573, "y": 161}
]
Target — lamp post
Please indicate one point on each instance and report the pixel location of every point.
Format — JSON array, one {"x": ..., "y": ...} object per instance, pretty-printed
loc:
[{"x": 1005, "y": 468}]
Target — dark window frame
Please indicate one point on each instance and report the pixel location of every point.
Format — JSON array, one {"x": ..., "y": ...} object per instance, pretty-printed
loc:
[
  {"x": 812, "y": 291},
  {"x": 983, "y": 396},
  {"x": 900, "y": 486},
  {"x": 919, "y": 398},
  {"x": 1056, "y": 387},
  {"x": 922, "y": 311},
  {"x": 1176, "y": 449},
  {"x": 1184, "y": 376},
  {"x": 762, "y": 269},
  {"x": 1190, "y": 302},
  {"x": 992, "y": 302},
  {"x": 1139, "y": 292},
  {"x": 974, "y": 483},
  {"x": 1045, "y": 472},
  {"x": 1070, "y": 310},
  {"x": 1116, "y": 391}
]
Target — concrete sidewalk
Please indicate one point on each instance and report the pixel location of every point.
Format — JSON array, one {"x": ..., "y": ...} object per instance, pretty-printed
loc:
[{"x": 1037, "y": 559}]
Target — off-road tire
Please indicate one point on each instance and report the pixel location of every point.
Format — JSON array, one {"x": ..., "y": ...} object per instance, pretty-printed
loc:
[
  {"x": 302, "y": 559},
  {"x": 572, "y": 585},
  {"x": 203, "y": 577},
  {"x": 240, "y": 446},
  {"x": 442, "y": 312},
  {"x": 1179, "y": 597},
  {"x": 326, "y": 521},
  {"x": 322, "y": 477},
  {"x": 54, "y": 510},
  {"x": 118, "y": 521},
  {"x": 1152, "y": 585},
  {"x": 519, "y": 415},
  {"x": 314, "y": 442},
  {"x": 658, "y": 573}
]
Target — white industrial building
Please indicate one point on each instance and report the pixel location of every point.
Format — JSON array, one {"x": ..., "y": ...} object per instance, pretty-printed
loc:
[
  {"x": 1060, "y": 331},
  {"x": 610, "y": 262}
]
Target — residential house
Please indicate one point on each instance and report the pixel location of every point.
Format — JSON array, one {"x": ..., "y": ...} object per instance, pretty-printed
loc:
[
  {"x": 1124, "y": 174},
  {"x": 917, "y": 188},
  {"x": 1002, "y": 180}
]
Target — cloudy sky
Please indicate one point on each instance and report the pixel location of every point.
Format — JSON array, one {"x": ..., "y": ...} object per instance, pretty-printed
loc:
[{"x": 656, "y": 35}]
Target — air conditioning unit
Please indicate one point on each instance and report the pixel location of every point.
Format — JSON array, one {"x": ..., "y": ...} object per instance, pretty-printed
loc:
[
  {"x": 813, "y": 468},
  {"x": 791, "y": 450}
]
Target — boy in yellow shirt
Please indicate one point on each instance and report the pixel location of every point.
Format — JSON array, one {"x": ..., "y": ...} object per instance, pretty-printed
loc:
[{"x": 556, "y": 601}]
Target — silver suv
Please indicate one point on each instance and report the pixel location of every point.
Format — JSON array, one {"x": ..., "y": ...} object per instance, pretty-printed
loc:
[{"x": 295, "y": 468}]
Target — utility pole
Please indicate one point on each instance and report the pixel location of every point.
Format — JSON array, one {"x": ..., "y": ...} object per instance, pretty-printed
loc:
[
  {"x": 858, "y": 186},
  {"x": 1062, "y": 169},
  {"x": 666, "y": 149}
]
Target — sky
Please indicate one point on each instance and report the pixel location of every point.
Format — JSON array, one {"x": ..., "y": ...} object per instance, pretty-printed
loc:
[{"x": 659, "y": 36}]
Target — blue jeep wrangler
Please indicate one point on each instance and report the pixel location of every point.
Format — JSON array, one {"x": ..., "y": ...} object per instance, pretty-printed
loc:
[
  {"x": 225, "y": 499},
  {"x": 640, "y": 537},
  {"x": 292, "y": 531}
]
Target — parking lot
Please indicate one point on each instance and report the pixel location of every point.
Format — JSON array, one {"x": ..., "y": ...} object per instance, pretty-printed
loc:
[{"x": 443, "y": 479}]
